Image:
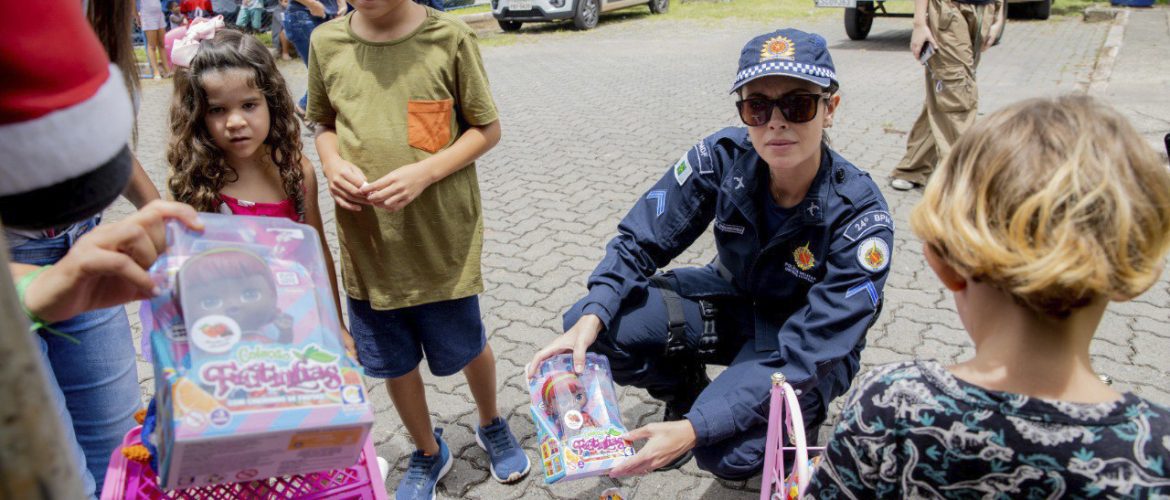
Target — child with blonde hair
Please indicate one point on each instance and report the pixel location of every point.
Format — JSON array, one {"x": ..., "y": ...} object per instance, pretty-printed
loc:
[{"x": 1042, "y": 214}]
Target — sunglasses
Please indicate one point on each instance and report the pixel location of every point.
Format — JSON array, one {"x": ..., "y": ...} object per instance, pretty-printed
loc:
[{"x": 796, "y": 108}]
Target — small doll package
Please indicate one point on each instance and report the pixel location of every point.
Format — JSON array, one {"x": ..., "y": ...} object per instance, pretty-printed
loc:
[
  {"x": 577, "y": 419},
  {"x": 251, "y": 377}
]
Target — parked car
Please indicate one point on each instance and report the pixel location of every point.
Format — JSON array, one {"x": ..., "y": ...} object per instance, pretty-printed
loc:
[
  {"x": 859, "y": 14},
  {"x": 511, "y": 14}
]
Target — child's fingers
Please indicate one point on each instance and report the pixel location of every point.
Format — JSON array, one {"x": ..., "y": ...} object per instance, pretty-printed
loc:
[{"x": 341, "y": 202}]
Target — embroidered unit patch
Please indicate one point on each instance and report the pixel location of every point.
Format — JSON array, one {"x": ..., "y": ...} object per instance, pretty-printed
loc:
[
  {"x": 873, "y": 254},
  {"x": 777, "y": 48},
  {"x": 804, "y": 258}
]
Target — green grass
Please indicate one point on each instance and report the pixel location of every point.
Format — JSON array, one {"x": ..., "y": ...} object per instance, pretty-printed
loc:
[{"x": 478, "y": 9}]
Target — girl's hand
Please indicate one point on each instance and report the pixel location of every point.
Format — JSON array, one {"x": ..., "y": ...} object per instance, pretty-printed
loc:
[
  {"x": 918, "y": 39},
  {"x": 345, "y": 182},
  {"x": 397, "y": 189},
  {"x": 577, "y": 339},
  {"x": 665, "y": 441},
  {"x": 107, "y": 266}
]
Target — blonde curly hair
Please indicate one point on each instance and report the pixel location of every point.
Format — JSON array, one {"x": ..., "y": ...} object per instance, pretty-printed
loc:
[{"x": 1056, "y": 201}]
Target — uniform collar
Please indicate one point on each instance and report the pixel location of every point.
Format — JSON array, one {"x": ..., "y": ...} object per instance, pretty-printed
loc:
[{"x": 747, "y": 184}]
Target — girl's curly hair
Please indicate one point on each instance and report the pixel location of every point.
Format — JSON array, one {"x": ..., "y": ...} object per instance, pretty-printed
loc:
[{"x": 198, "y": 168}]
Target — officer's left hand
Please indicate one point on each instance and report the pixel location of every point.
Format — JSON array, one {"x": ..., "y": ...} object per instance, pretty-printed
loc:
[
  {"x": 665, "y": 441},
  {"x": 398, "y": 188}
]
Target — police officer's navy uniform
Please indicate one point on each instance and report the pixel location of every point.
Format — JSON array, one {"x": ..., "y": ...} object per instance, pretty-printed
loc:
[{"x": 797, "y": 301}]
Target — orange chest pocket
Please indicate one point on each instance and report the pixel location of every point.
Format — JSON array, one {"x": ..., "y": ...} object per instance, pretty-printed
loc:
[{"x": 428, "y": 124}]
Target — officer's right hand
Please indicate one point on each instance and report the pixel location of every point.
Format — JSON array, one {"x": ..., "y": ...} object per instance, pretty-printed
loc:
[
  {"x": 577, "y": 339},
  {"x": 918, "y": 39},
  {"x": 345, "y": 184}
]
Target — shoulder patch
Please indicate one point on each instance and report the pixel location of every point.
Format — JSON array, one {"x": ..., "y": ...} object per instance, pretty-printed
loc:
[
  {"x": 705, "y": 163},
  {"x": 867, "y": 222},
  {"x": 873, "y": 254},
  {"x": 682, "y": 170}
]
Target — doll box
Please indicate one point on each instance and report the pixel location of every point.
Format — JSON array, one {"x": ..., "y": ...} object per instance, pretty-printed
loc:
[
  {"x": 577, "y": 419},
  {"x": 251, "y": 379}
]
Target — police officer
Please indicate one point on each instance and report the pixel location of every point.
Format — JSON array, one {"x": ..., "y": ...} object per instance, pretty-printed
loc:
[
  {"x": 804, "y": 241},
  {"x": 958, "y": 31}
]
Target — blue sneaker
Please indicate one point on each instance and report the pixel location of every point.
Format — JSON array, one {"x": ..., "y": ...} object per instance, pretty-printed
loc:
[
  {"x": 508, "y": 462},
  {"x": 423, "y": 473}
]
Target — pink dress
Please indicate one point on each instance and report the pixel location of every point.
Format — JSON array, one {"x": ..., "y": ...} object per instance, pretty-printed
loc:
[{"x": 283, "y": 208}]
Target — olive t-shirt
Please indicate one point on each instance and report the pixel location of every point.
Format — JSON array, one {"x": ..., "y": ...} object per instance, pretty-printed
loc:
[{"x": 395, "y": 103}]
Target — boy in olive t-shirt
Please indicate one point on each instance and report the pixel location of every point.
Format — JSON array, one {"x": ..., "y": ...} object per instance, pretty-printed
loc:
[{"x": 404, "y": 109}]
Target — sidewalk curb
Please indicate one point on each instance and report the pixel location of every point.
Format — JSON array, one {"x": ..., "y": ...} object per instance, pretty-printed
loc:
[{"x": 1099, "y": 79}]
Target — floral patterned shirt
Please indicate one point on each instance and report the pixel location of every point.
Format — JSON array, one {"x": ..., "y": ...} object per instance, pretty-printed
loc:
[{"x": 913, "y": 430}]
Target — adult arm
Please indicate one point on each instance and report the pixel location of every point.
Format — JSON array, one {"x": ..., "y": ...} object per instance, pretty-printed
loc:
[
  {"x": 140, "y": 190},
  {"x": 316, "y": 8},
  {"x": 106, "y": 267},
  {"x": 996, "y": 30},
  {"x": 921, "y": 33}
]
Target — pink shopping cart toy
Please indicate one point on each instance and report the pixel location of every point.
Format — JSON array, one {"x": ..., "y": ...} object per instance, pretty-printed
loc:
[
  {"x": 250, "y": 372},
  {"x": 785, "y": 420},
  {"x": 577, "y": 418}
]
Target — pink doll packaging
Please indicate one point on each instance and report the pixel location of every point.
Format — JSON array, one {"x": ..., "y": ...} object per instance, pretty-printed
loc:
[
  {"x": 251, "y": 379},
  {"x": 577, "y": 418}
]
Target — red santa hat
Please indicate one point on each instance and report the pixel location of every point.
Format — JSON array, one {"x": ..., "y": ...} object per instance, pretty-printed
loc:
[{"x": 65, "y": 117}]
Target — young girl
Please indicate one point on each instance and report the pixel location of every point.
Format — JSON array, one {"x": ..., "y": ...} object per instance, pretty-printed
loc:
[
  {"x": 235, "y": 143},
  {"x": 1042, "y": 214}
]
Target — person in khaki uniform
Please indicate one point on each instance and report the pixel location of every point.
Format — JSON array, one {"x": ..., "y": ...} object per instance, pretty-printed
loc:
[
  {"x": 404, "y": 109},
  {"x": 959, "y": 31}
]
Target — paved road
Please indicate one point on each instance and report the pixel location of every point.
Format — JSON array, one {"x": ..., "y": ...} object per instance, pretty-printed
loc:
[{"x": 591, "y": 119}]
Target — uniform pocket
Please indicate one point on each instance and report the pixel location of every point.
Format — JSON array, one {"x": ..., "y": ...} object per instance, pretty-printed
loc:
[
  {"x": 428, "y": 124},
  {"x": 954, "y": 92}
]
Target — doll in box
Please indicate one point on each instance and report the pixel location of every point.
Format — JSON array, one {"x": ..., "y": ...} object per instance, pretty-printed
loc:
[
  {"x": 565, "y": 401},
  {"x": 228, "y": 294}
]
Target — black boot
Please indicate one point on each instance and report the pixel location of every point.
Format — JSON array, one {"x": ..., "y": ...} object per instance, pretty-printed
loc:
[{"x": 678, "y": 404}]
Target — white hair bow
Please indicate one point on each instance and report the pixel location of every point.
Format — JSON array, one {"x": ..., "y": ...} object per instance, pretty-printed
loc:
[{"x": 200, "y": 29}]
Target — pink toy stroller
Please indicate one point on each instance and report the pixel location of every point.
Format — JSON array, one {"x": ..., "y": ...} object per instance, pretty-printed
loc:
[{"x": 785, "y": 410}]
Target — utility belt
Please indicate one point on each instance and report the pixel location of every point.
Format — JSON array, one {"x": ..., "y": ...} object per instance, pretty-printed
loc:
[{"x": 676, "y": 339}]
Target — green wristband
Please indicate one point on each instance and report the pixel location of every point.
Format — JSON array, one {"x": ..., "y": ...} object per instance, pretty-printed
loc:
[{"x": 37, "y": 322}]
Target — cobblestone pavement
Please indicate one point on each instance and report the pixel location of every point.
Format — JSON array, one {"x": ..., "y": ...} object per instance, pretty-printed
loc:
[{"x": 591, "y": 119}]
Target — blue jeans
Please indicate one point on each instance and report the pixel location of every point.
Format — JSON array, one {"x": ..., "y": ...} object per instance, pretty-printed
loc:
[
  {"x": 94, "y": 384},
  {"x": 298, "y": 25}
]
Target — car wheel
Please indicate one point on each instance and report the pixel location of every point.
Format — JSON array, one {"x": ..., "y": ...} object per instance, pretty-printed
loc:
[
  {"x": 659, "y": 6},
  {"x": 586, "y": 16},
  {"x": 510, "y": 26},
  {"x": 1042, "y": 9},
  {"x": 858, "y": 21}
]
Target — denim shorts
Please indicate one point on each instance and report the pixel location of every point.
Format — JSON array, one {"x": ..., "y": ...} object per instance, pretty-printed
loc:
[{"x": 392, "y": 343}]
